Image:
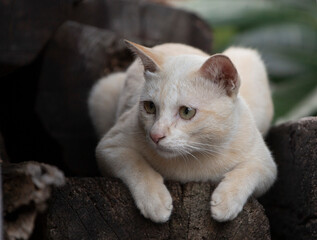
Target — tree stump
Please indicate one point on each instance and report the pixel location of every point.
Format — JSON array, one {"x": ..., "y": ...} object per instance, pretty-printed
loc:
[
  {"x": 291, "y": 204},
  {"x": 100, "y": 208}
]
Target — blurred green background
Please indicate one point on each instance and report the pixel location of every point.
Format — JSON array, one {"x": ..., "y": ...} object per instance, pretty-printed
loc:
[{"x": 284, "y": 32}]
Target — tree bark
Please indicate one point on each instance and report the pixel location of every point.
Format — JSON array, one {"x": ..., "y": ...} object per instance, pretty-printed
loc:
[
  {"x": 291, "y": 204},
  {"x": 26, "y": 188},
  {"x": 100, "y": 208}
]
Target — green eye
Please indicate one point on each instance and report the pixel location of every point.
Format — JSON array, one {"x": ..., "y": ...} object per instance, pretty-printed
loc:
[
  {"x": 149, "y": 107},
  {"x": 187, "y": 113}
]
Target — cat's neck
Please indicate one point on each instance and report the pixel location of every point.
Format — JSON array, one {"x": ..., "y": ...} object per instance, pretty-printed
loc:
[{"x": 245, "y": 131}]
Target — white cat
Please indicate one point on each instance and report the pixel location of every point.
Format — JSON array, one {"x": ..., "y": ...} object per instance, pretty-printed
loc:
[{"x": 182, "y": 115}]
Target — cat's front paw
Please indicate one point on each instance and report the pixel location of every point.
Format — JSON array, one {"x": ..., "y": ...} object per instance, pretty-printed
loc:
[
  {"x": 226, "y": 205},
  {"x": 155, "y": 202}
]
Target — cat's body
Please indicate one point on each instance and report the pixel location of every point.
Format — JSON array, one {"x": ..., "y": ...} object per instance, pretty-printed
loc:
[{"x": 220, "y": 142}]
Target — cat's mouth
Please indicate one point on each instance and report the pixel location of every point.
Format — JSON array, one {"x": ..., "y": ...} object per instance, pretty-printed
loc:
[
  {"x": 164, "y": 149},
  {"x": 166, "y": 152}
]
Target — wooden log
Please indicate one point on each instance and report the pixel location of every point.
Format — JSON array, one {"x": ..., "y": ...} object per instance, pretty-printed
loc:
[
  {"x": 26, "y": 189},
  {"x": 100, "y": 208},
  {"x": 76, "y": 57},
  {"x": 26, "y": 27},
  {"x": 291, "y": 204}
]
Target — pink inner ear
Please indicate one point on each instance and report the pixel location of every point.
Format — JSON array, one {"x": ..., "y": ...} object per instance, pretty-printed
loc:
[
  {"x": 151, "y": 59},
  {"x": 221, "y": 70}
]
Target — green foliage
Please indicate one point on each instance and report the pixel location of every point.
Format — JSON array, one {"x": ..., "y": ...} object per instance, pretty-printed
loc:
[{"x": 284, "y": 32}]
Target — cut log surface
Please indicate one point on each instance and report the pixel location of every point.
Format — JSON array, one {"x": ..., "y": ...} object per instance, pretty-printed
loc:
[
  {"x": 100, "y": 208},
  {"x": 291, "y": 204}
]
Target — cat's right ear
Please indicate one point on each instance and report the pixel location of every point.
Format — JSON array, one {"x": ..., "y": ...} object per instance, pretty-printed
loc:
[
  {"x": 151, "y": 59},
  {"x": 221, "y": 70}
]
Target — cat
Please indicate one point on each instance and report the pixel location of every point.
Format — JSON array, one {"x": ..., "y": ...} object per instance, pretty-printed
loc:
[{"x": 179, "y": 114}]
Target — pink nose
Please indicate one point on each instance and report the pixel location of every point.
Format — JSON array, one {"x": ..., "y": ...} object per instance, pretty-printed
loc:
[{"x": 156, "y": 137}]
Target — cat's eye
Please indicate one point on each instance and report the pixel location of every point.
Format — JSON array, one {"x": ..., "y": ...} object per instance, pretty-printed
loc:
[
  {"x": 187, "y": 113},
  {"x": 149, "y": 107}
]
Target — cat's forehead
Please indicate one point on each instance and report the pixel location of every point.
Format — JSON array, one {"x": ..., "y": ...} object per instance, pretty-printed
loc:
[
  {"x": 178, "y": 83},
  {"x": 182, "y": 64},
  {"x": 179, "y": 73}
]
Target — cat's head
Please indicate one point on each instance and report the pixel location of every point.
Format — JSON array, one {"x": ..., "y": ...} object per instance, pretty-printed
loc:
[{"x": 187, "y": 104}]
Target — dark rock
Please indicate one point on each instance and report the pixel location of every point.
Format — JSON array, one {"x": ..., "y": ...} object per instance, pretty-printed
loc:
[
  {"x": 100, "y": 208},
  {"x": 291, "y": 204}
]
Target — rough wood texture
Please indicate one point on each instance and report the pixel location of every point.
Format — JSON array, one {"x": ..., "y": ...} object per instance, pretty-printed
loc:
[
  {"x": 291, "y": 205},
  {"x": 25, "y": 27},
  {"x": 26, "y": 188},
  {"x": 100, "y": 208}
]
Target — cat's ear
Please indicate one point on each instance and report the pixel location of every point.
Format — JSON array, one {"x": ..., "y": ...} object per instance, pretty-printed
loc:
[
  {"x": 151, "y": 59},
  {"x": 221, "y": 70}
]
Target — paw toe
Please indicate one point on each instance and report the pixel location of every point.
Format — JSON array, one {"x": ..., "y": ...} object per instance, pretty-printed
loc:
[{"x": 225, "y": 212}]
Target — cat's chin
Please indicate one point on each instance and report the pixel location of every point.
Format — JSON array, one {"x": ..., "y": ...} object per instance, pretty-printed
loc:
[{"x": 165, "y": 152}]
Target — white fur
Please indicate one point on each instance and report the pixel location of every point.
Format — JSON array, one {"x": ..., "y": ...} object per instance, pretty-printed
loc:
[
  {"x": 101, "y": 106},
  {"x": 222, "y": 142}
]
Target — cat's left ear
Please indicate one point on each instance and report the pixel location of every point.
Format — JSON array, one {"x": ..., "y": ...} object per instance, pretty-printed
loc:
[
  {"x": 151, "y": 59},
  {"x": 220, "y": 69}
]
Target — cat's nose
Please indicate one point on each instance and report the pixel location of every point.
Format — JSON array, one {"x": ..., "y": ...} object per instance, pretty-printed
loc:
[{"x": 156, "y": 137}]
